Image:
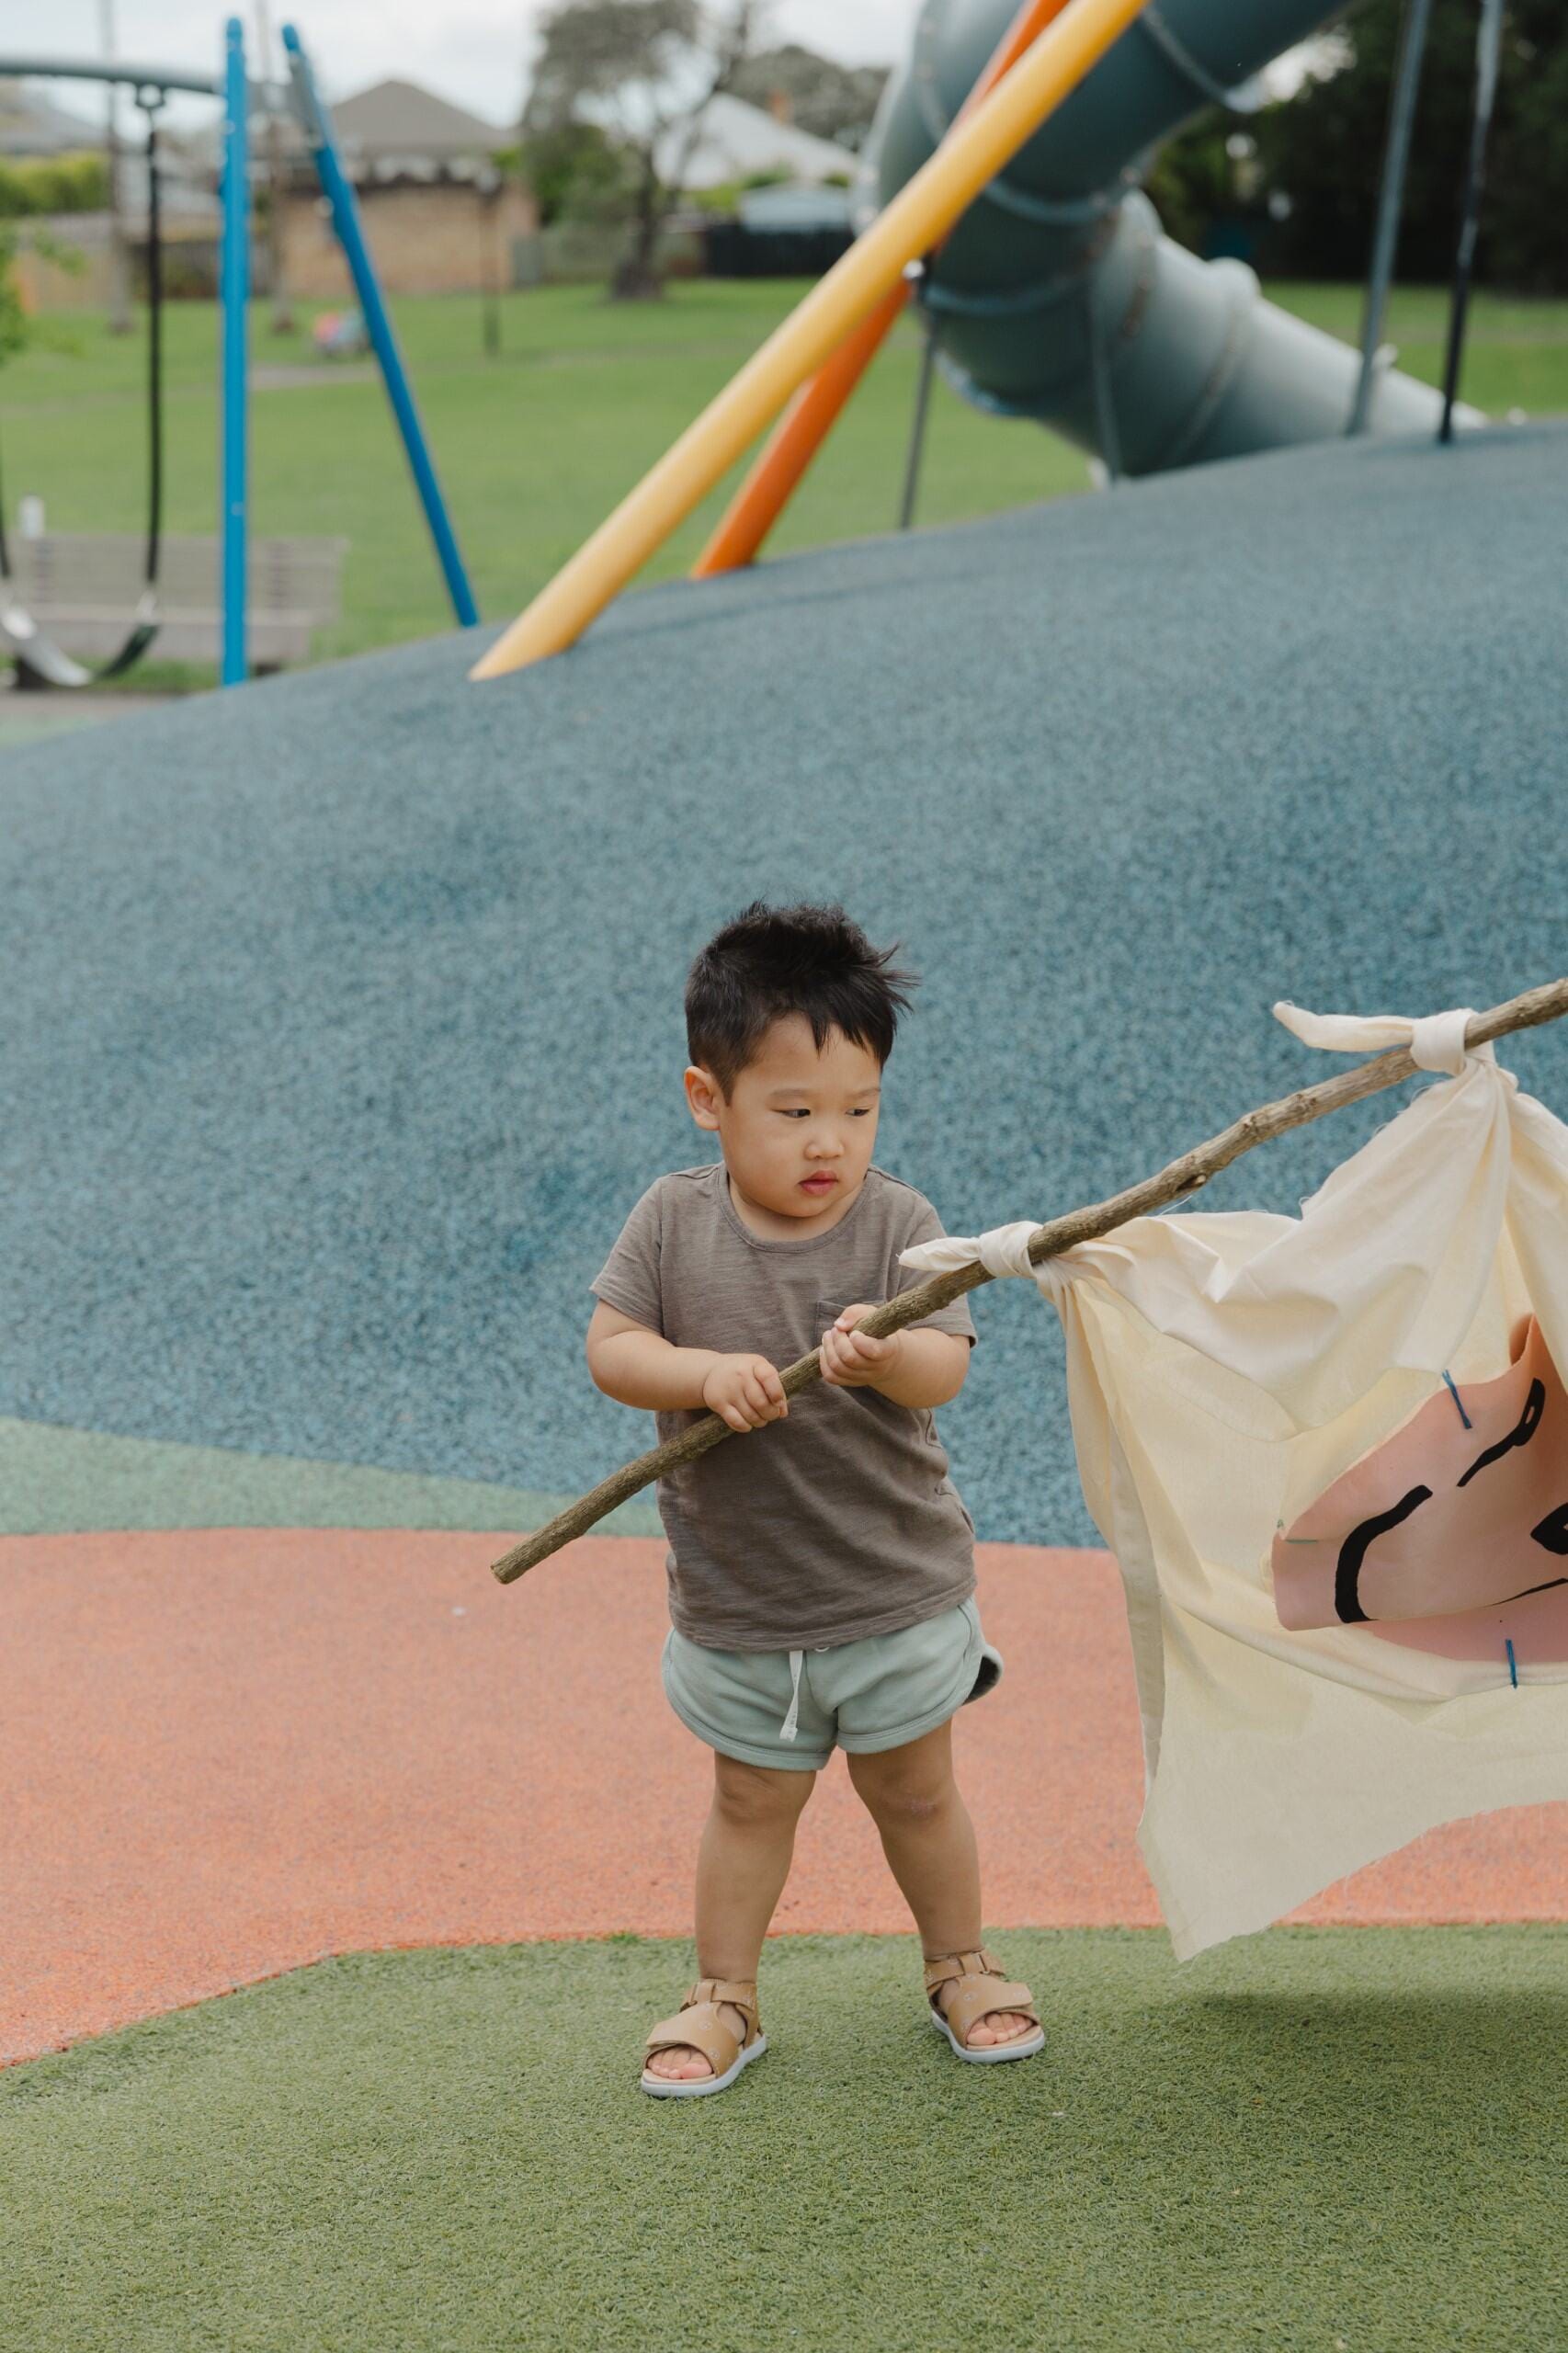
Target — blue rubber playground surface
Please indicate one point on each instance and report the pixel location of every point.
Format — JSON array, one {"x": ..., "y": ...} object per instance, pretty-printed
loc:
[{"x": 343, "y": 1012}]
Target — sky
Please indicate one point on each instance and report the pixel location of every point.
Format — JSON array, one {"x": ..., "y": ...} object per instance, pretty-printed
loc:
[{"x": 473, "y": 51}]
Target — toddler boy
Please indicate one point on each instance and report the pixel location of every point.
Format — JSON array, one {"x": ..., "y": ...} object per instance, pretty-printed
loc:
[{"x": 821, "y": 1582}]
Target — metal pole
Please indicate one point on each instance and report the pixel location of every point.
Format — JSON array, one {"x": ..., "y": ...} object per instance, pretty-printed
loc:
[
  {"x": 118, "y": 245},
  {"x": 235, "y": 292},
  {"x": 922, "y": 398},
  {"x": 17, "y": 68},
  {"x": 489, "y": 189},
  {"x": 317, "y": 126},
  {"x": 1100, "y": 372},
  {"x": 1488, "y": 50},
  {"x": 1391, "y": 198},
  {"x": 282, "y": 313}
]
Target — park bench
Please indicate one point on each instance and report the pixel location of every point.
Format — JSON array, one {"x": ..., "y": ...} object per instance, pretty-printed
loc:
[{"x": 83, "y": 588}]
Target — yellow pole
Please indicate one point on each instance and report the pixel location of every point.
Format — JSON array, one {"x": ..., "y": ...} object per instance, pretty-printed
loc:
[
  {"x": 815, "y": 409},
  {"x": 922, "y": 212}
]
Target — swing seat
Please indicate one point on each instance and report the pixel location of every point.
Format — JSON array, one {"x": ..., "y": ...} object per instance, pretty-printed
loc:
[{"x": 81, "y": 588}]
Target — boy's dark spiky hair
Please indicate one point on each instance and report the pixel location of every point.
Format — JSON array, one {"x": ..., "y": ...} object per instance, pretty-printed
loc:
[{"x": 769, "y": 961}]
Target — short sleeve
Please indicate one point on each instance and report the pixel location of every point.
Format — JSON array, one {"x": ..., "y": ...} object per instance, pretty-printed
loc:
[
  {"x": 925, "y": 1225},
  {"x": 628, "y": 1280}
]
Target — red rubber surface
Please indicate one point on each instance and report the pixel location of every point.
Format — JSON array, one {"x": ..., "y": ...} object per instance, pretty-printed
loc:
[{"x": 226, "y": 1753}]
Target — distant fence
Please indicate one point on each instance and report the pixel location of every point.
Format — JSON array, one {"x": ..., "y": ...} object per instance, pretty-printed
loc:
[
  {"x": 736, "y": 251},
  {"x": 82, "y": 279},
  {"x": 567, "y": 253},
  {"x": 570, "y": 252}
]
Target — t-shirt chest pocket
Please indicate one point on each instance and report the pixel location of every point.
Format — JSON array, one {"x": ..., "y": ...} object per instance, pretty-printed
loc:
[{"x": 823, "y": 1312}]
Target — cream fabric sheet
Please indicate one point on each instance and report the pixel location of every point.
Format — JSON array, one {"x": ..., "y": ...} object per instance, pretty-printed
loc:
[{"x": 1224, "y": 1372}]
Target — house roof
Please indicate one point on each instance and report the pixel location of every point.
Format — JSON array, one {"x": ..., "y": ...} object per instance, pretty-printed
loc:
[
  {"x": 29, "y": 125},
  {"x": 399, "y": 120},
  {"x": 734, "y": 139}
]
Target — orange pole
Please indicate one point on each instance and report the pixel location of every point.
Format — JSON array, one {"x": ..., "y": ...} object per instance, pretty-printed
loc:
[
  {"x": 812, "y": 414},
  {"x": 794, "y": 442}
]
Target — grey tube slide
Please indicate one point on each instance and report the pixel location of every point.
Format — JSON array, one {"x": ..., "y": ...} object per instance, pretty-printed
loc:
[{"x": 1058, "y": 297}]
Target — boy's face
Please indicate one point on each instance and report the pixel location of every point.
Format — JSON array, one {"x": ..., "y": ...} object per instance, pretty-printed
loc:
[{"x": 795, "y": 1115}]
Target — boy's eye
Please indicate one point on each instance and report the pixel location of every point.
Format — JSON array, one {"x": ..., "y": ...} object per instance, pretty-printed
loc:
[{"x": 864, "y": 1113}]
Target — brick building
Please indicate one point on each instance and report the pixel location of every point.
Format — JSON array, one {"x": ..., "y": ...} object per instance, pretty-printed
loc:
[{"x": 439, "y": 217}]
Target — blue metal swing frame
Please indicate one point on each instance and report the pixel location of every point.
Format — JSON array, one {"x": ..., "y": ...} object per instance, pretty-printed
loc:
[{"x": 239, "y": 95}]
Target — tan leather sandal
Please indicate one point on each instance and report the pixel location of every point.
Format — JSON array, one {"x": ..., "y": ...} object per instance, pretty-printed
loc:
[
  {"x": 700, "y": 2024},
  {"x": 980, "y": 1988}
]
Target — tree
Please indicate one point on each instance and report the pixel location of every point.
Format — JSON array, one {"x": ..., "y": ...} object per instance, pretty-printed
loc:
[
  {"x": 53, "y": 184},
  {"x": 12, "y": 317},
  {"x": 1323, "y": 149},
  {"x": 651, "y": 67},
  {"x": 1192, "y": 181},
  {"x": 23, "y": 189},
  {"x": 574, "y": 172},
  {"x": 829, "y": 100}
]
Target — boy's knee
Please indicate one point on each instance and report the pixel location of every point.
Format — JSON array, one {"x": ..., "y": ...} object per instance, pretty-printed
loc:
[
  {"x": 916, "y": 1807},
  {"x": 758, "y": 1793},
  {"x": 897, "y": 1793}
]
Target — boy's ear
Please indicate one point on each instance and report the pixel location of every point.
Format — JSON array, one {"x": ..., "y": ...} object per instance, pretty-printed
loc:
[{"x": 702, "y": 1095}]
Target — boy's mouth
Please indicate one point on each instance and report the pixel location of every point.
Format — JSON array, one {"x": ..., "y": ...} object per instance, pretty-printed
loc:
[{"x": 818, "y": 1184}]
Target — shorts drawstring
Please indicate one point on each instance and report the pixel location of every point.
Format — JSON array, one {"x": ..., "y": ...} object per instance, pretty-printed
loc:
[{"x": 787, "y": 1729}]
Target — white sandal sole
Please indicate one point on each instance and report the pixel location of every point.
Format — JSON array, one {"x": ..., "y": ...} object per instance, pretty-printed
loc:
[
  {"x": 1021, "y": 2047},
  {"x": 693, "y": 2088}
]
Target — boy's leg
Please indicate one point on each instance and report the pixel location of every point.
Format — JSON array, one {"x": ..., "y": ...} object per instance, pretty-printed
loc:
[
  {"x": 741, "y": 1865},
  {"x": 928, "y": 1839}
]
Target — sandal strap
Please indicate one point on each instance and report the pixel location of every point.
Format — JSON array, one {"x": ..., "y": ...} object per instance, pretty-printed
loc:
[
  {"x": 979, "y": 1987},
  {"x": 700, "y": 2024},
  {"x": 741, "y": 1991},
  {"x": 982, "y": 1962}
]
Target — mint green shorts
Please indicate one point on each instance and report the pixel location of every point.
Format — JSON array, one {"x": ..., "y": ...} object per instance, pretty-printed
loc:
[{"x": 788, "y": 1708}]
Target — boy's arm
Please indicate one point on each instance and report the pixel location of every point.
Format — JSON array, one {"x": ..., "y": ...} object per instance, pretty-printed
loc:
[
  {"x": 638, "y": 1367},
  {"x": 928, "y": 1367},
  {"x": 918, "y": 1367}
]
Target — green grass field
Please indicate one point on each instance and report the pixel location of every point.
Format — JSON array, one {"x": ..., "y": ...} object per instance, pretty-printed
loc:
[
  {"x": 535, "y": 447},
  {"x": 1342, "y": 2141}
]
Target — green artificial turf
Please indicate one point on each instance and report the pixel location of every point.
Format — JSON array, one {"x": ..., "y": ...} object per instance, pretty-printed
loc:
[
  {"x": 534, "y": 448},
  {"x": 59, "y": 1479},
  {"x": 1312, "y": 2139}
]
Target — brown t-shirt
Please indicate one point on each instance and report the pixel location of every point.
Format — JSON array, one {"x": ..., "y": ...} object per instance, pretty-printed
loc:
[{"x": 839, "y": 1520}]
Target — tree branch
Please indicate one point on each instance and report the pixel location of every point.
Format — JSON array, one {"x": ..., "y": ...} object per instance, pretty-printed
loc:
[
  {"x": 1172, "y": 1183},
  {"x": 733, "y": 45},
  {"x": 659, "y": 193}
]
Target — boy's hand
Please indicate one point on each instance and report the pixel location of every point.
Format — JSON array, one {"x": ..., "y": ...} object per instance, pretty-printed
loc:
[
  {"x": 746, "y": 1390},
  {"x": 854, "y": 1359}
]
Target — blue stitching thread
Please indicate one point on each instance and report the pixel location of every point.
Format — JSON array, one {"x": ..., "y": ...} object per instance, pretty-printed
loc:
[
  {"x": 1463, "y": 1416},
  {"x": 1513, "y": 1669}
]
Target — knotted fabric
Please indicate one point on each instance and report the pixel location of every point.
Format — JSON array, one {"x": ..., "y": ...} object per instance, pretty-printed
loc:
[
  {"x": 1436, "y": 1041},
  {"x": 1004, "y": 1250}
]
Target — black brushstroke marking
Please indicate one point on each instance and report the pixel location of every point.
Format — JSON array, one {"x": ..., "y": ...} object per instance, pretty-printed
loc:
[
  {"x": 1520, "y": 1435},
  {"x": 1552, "y": 1583},
  {"x": 1354, "y": 1551},
  {"x": 1553, "y": 1533}
]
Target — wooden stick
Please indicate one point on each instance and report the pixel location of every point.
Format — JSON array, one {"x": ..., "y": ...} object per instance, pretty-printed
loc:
[{"x": 1170, "y": 1184}]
